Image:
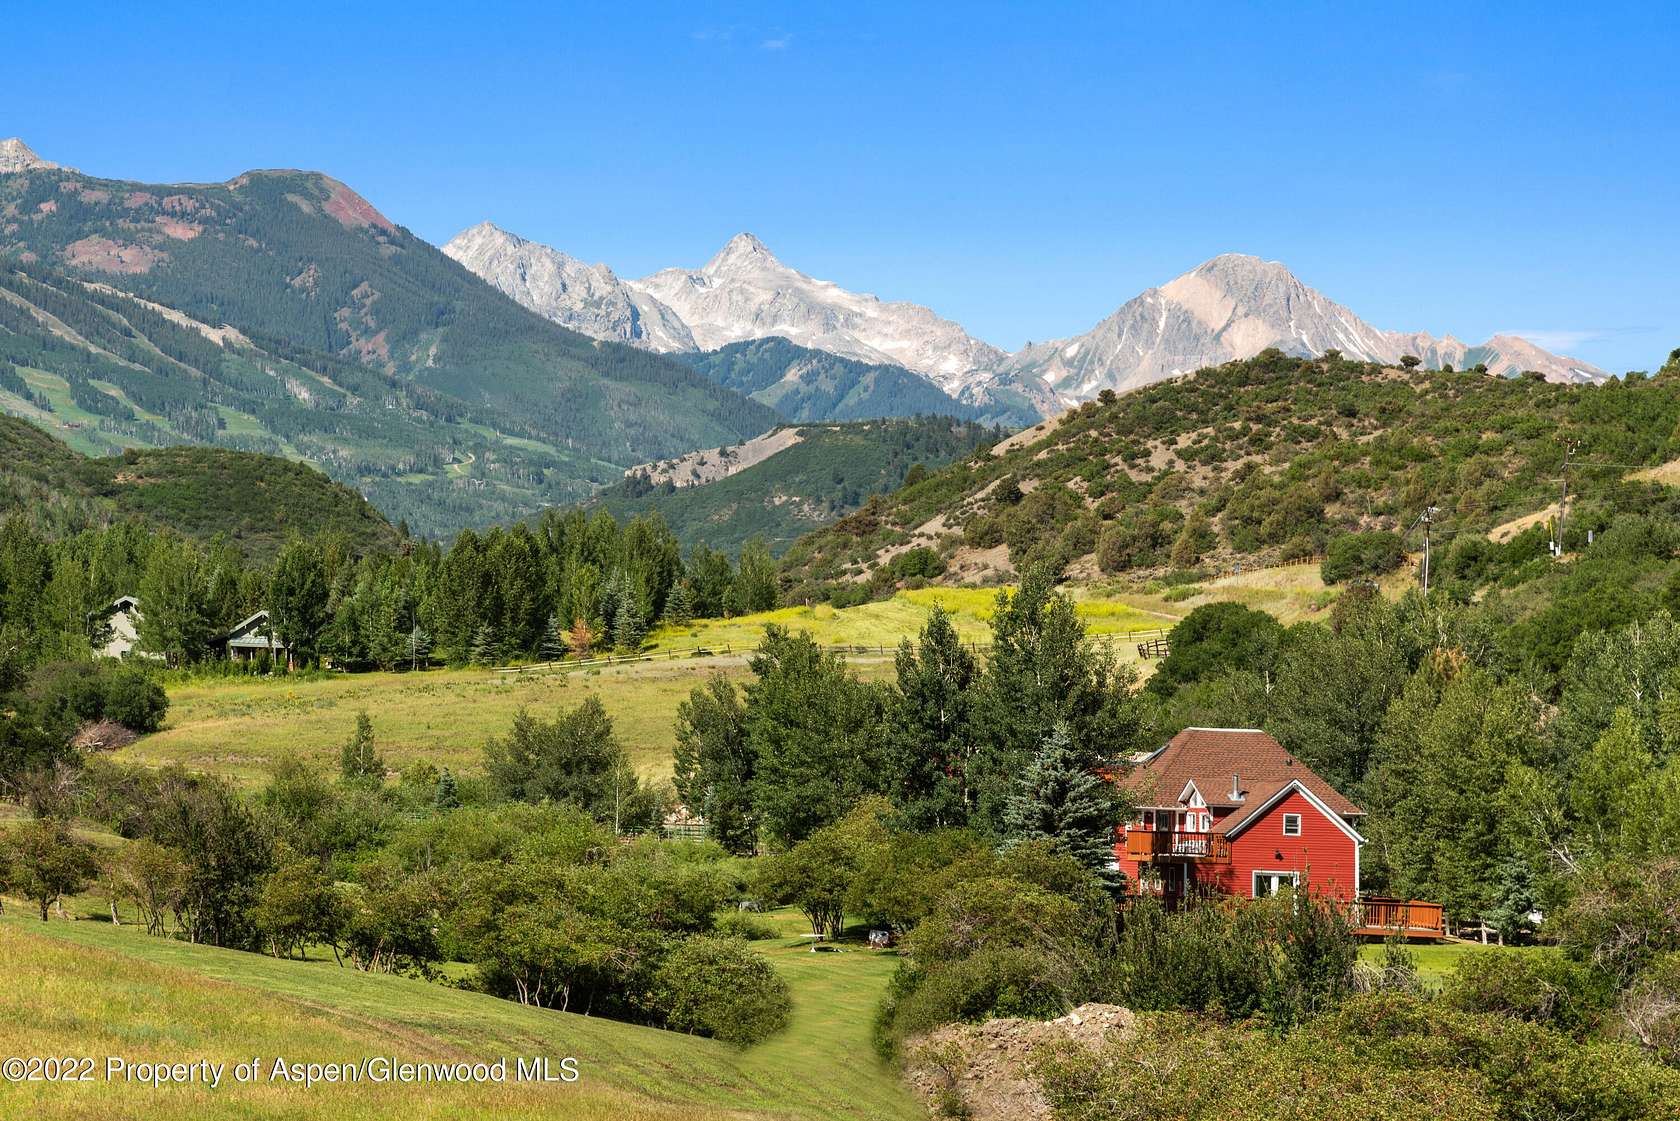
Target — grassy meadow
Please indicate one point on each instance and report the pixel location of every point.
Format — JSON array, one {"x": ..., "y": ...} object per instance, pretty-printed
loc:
[
  {"x": 102, "y": 990},
  {"x": 239, "y": 725}
]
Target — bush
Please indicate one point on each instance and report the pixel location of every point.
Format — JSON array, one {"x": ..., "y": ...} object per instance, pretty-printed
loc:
[
  {"x": 135, "y": 701},
  {"x": 719, "y": 987},
  {"x": 1537, "y": 986},
  {"x": 1362, "y": 554},
  {"x": 739, "y": 924}
]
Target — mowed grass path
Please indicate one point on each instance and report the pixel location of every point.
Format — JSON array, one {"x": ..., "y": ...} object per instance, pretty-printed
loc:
[{"x": 100, "y": 990}]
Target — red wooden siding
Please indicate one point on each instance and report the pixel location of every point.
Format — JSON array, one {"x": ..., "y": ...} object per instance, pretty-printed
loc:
[{"x": 1324, "y": 855}]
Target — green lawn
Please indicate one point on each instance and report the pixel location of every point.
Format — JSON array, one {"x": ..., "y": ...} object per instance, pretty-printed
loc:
[
  {"x": 96, "y": 990},
  {"x": 1436, "y": 960}
]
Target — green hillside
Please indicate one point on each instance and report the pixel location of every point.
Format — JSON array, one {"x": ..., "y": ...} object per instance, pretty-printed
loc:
[
  {"x": 104, "y": 990},
  {"x": 831, "y": 471},
  {"x": 356, "y": 347},
  {"x": 1259, "y": 461},
  {"x": 811, "y": 385},
  {"x": 252, "y": 499}
]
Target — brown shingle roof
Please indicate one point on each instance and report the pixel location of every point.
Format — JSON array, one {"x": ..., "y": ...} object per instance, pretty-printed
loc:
[{"x": 1210, "y": 757}]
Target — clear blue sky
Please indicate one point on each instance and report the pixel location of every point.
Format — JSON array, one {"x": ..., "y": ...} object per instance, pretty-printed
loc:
[{"x": 1022, "y": 169}]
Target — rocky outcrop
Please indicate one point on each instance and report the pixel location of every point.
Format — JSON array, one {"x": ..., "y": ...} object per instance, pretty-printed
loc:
[
  {"x": 17, "y": 156},
  {"x": 589, "y": 299},
  {"x": 983, "y": 1071}
]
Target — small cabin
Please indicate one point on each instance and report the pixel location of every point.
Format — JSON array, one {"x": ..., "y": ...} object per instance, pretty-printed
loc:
[{"x": 252, "y": 638}]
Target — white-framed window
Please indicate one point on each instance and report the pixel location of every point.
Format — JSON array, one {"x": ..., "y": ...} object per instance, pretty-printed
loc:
[
  {"x": 1291, "y": 825},
  {"x": 1149, "y": 820},
  {"x": 1273, "y": 883}
]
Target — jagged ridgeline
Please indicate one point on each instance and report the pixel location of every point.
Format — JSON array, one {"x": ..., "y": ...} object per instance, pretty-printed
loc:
[
  {"x": 280, "y": 312},
  {"x": 1262, "y": 460},
  {"x": 255, "y": 501}
]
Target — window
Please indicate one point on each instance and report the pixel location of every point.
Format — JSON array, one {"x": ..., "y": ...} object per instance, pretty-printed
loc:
[
  {"x": 1273, "y": 883},
  {"x": 1291, "y": 825},
  {"x": 1149, "y": 819}
]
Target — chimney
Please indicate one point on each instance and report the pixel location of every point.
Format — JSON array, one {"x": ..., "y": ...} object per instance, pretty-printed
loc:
[{"x": 1236, "y": 788}]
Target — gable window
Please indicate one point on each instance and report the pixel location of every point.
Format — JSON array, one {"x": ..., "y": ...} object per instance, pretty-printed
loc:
[{"x": 1291, "y": 825}]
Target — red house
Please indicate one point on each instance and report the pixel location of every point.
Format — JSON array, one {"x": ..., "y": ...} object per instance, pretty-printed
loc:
[{"x": 1229, "y": 811}]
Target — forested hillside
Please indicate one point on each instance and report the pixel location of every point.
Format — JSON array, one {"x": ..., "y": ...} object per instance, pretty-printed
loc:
[
  {"x": 356, "y": 346},
  {"x": 805, "y": 384},
  {"x": 828, "y": 473},
  {"x": 254, "y": 501},
  {"x": 1259, "y": 461}
]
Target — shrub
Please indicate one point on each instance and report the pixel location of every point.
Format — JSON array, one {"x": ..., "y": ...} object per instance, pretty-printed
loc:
[
  {"x": 1362, "y": 554},
  {"x": 1537, "y": 986},
  {"x": 739, "y": 924},
  {"x": 135, "y": 701},
  {"x": 1650, "y": 1010},
  {"x": 719, "y": 987}
]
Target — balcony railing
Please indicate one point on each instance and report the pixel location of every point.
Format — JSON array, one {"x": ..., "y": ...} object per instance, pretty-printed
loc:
[{"x": 1165, "y": 844}]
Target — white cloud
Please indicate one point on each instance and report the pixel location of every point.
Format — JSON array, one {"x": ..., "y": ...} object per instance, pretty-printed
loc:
[
  {"x": 1560, "y": 339},
  {"x": 779, "y": 43}
]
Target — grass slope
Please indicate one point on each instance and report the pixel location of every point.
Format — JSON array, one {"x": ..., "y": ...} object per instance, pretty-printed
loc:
[{"x": 98, "y": 990}]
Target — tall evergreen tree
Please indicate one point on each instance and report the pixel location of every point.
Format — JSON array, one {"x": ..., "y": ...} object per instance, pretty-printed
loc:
[
  {"x": 1044, "y": 670},
  {"x": 1059, "y": 799},
  {"x": 298, "y": 598},
  {"x": 553, "y": 646},
  {"x": 929, "y": 741}
]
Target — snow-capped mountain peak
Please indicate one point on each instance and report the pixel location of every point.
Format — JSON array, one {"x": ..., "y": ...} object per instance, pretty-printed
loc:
[
  {"x": 589, "y": 299},
  {"x": 744, "y": 292},
  {"x": 1235, "y": 306}
]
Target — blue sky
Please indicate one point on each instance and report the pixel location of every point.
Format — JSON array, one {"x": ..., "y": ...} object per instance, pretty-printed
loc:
[{"x": 1022, "y": 169}]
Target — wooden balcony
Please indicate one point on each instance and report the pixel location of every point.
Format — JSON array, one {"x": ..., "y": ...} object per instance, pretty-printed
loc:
[
  {"x": 1408, "y": 918},
  {"x": 1154, "y": 846}
]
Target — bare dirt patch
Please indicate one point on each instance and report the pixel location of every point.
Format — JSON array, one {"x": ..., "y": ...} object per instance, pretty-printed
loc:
[
  {"x": 105, "y": 255},
  {"x": 983, "y": 1071},
  {"x": 353, "y": 211}
]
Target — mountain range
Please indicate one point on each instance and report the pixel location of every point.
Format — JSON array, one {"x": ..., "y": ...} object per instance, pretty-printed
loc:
[
  {"x": 1231, "y": 307},
  {"x": 281, "y": 312}
]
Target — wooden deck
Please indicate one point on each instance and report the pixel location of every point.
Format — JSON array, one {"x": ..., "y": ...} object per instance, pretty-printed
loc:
[
  {"x": 1408, "y": 918},
  {"x": 1151, "y": 845}
]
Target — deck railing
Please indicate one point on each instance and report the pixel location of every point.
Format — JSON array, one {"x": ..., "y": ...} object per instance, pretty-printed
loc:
[
  {"x": 1412, "y": 918},
  {"x": 1168, "y": 844}
]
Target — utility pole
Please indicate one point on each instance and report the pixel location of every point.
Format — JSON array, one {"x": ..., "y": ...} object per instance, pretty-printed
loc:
[
  {"x": 1563, "y": 498},
  {"x": 1427, "y": 518}
]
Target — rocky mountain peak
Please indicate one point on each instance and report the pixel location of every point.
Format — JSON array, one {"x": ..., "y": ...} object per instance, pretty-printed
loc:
[
  {"x": 588, "y": 299},
  {"x": 744, "y": 253},
  {"x": 15, "y": 155}
]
